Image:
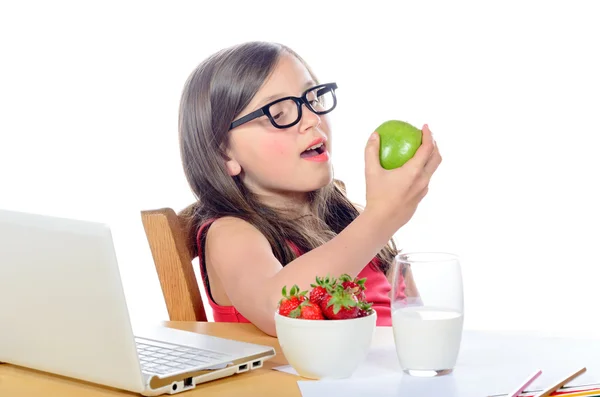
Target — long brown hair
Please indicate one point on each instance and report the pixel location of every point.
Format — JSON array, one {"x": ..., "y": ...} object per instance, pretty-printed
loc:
[{"x": 213, "y": 96}]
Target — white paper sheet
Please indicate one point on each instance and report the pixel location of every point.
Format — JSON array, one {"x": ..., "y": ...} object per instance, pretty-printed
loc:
[{"x": 488, "y": 364}]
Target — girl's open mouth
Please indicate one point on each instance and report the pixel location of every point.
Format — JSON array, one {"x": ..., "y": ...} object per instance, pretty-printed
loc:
[{"x": 313, "y": 151}]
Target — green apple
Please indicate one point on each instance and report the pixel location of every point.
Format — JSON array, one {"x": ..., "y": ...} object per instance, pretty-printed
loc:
[{"x": 398, "y": 143}]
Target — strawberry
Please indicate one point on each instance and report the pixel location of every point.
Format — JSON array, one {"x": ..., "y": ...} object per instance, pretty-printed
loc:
[
  {"x": 364, "y": 309},
  {"x": 307, "y": 311},
  {"x": 356, "y": 286},
  {"x": 321, "y": 289},
  {"x": 292, "y": 301},
  {"x": 341, "y": 305}
]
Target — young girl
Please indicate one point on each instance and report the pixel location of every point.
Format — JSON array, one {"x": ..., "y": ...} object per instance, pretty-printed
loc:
[{"x": 256, "y": 144}]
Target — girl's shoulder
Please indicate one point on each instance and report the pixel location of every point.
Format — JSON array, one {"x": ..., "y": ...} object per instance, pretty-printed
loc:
[{"x": 230, "y": 227}]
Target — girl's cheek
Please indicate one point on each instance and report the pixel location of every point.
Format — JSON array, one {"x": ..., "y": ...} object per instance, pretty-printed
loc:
[{"x": 277, "y": 148}]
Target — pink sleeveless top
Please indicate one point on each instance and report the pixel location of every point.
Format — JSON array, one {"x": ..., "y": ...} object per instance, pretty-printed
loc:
[{"x": 377, "y": 289}]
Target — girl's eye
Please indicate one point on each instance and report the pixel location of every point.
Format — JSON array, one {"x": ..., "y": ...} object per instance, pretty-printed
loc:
[{"x": 278, "y": 115}]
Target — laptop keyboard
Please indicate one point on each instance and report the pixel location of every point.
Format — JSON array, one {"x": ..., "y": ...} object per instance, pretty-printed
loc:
[{"x": 163, "y": 358}]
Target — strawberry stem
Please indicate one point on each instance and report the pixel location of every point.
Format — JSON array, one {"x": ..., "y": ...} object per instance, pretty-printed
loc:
[
  {"x": 341, "y": 299},
  {"x": 295, "y": 313}
]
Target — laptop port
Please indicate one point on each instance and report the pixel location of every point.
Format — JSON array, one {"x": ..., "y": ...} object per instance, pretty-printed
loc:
[
  {"x": 187, "y": 382},
  {"x": 243, "y": 367},
  {"x": 256, "y": 364}
]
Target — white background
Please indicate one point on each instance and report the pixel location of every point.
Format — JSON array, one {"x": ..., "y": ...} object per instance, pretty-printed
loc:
[{"x": 89, "y": 94}]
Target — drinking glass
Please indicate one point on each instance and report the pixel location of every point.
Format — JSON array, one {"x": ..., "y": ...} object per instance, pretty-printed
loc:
[{"x": 427, "y": 312}]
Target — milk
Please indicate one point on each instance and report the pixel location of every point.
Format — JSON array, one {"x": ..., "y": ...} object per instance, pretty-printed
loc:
[{"x": 427, "y": 338}]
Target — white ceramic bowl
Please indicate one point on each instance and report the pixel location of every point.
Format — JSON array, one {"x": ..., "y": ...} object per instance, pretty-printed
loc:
[{"x": 325, "y": 349}]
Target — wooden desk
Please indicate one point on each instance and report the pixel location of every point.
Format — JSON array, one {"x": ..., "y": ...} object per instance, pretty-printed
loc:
[{"x": 21, "y": 382}]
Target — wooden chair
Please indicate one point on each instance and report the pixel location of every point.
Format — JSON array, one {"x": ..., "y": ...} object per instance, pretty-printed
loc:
[{"x": 169, "y": 235}]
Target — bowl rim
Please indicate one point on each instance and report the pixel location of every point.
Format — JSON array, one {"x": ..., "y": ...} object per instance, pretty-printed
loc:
[{"x": 323, "y": 323}]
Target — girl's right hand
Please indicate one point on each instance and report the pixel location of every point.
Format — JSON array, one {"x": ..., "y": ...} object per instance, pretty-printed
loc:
[{"x": 393, "y": 195}]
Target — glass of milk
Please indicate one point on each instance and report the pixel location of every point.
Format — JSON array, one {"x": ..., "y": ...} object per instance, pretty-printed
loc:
[{"x": 427, "y": 312}]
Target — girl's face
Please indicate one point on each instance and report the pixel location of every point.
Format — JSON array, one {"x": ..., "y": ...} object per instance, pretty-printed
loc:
[{"x": 275, "y": 162}]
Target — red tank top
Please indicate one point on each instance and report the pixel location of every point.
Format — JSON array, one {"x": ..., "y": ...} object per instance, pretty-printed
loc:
[{"x": 377, "y": 288}]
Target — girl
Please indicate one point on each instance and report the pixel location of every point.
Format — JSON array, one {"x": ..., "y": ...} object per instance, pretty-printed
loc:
[{"x": 256, "y": 144}]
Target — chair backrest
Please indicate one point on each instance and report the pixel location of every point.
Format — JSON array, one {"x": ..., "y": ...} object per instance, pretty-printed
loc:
[{"x": 168, "y": 237}]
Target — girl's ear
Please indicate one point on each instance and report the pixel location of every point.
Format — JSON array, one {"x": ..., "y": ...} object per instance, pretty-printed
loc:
[{"x": 233, "y": 167}]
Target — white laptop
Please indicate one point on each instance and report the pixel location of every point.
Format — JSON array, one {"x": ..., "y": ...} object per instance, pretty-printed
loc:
[{"x": 63, "y": 311}]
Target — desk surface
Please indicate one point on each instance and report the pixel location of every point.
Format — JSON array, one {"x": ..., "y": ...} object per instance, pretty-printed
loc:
[
  {"x": 20, "y": 382},
  {"x": 17, "y": 382}
]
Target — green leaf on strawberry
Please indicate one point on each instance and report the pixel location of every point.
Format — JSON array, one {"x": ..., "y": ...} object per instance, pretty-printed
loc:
[
  {"x": 341, "y": 304},
  {"x": 290, "y": 302}
]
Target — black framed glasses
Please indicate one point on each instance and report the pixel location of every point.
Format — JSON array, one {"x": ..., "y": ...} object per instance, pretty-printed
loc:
[{"x": 286, "y": 112}]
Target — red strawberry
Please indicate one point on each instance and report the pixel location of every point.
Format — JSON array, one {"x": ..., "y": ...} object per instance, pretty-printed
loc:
[
  {"x": 364, "y": 309},
  {"x": 356, "y": 286},
  {"x": 340, "y": 305},
  {"x": 320, "y": 289},
  {"x": 307, "y": 311},
  {"x": 291, "y": 301}
]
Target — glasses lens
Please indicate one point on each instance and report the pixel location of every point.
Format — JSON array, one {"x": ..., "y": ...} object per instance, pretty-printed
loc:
[
  {"x": 321, "y": 100},
  {"x": 284, "y": 112}
]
